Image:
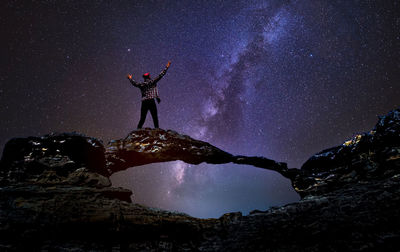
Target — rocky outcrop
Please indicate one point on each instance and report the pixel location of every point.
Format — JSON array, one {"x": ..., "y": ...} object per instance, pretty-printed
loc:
[
  {"x": 63, "y": 153},
  {"x": 367, "y": 157},
  {"x": 53, "y": 197},
  {"x": 146, "y": 146}
]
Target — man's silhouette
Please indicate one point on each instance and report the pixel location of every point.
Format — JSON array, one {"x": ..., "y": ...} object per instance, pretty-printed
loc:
[{"x": 149, "y": 92}]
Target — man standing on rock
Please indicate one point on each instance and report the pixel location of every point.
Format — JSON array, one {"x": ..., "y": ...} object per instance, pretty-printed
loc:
[{"x": 149, "y": 91}]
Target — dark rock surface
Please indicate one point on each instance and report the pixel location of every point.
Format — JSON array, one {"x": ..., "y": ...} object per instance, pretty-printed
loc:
[
  {"x": 26, "y": 158},
  {"x": 367, "y": 157},
  {"x": 146, "y": 146},
  {"x": 57, "y": 197}
]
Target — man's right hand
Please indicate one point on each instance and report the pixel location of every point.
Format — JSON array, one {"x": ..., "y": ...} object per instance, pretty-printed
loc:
[{"x": 129, "y": 76}]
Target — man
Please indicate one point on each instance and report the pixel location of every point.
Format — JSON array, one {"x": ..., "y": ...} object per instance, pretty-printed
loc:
[{"x": 149, "y": 91}]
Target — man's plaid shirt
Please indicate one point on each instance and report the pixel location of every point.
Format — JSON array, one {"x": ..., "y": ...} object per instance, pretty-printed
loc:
[{"x": 148, "y": 88}]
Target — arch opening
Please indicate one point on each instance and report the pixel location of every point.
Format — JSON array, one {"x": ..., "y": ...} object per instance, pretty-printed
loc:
[{"x": 205, "y": 190}]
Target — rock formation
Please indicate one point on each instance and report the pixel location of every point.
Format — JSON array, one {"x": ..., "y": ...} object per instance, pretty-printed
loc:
[
  {"x": 55, "y": 195},
  {"x": 157, "y": 145}
]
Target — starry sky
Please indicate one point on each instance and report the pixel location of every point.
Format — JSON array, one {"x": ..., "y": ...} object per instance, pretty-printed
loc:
[{"x": 277, "y": 78}]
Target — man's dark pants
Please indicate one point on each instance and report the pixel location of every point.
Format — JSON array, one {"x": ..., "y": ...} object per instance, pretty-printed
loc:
[{"x": 148, "y": 104}]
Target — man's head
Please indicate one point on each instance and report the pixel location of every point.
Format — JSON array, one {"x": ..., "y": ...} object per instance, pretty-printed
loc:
[{"x": 146, "y": 76}]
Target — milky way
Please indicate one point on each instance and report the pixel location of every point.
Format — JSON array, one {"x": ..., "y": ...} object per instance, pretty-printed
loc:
[{"x": 280, "y": 79}]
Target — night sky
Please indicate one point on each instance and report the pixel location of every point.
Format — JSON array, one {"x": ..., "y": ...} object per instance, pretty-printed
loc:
[{"x": 280, "y": 79}]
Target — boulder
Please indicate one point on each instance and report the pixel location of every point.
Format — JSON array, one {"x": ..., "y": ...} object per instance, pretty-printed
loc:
[{"x": 27, "y": 158}]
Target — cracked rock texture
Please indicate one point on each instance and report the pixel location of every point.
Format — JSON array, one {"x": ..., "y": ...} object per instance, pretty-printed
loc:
[
  {"x": 146, "y": 146},
  {"x": 55, "y": 195}
]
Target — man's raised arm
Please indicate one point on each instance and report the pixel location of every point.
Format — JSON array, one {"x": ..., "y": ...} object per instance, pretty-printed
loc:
[
  {"x": 162, "y": 73},
  {"x": 133, "y": 82}
]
